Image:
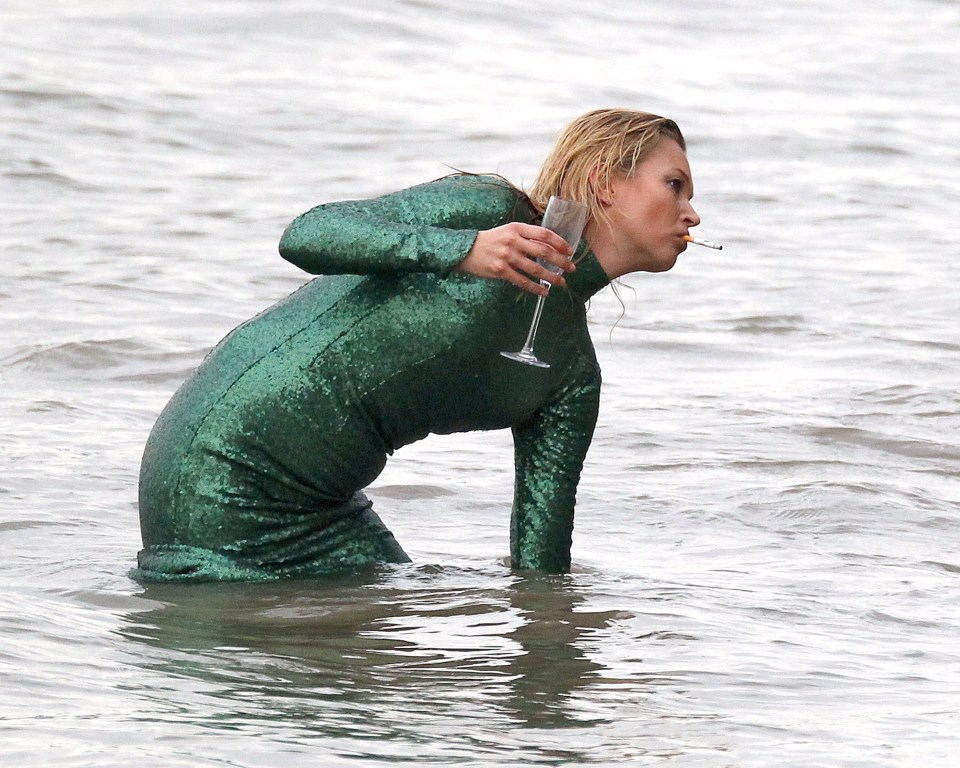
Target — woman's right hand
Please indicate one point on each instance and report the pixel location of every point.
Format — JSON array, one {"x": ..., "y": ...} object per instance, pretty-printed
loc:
[{"x": 510, "y": 253}]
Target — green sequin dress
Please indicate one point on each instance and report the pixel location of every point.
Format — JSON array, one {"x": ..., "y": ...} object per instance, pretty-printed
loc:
[{"x": 255, "y": 468}]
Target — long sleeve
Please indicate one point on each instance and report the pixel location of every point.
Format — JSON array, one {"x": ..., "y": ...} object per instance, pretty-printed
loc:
[
  {"x": 427, "y": 228},
  {"x": 549, "y": 453}
]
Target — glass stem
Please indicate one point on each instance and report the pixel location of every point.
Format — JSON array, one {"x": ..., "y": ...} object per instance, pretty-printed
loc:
[{"x": 535, "y": 322}]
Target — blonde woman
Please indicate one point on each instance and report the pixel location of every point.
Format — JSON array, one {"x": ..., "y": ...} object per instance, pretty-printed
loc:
[{"x": 256, "y": 468}]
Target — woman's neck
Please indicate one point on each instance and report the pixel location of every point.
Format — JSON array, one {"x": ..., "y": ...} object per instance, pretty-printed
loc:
[{"x": 604, "y": 246}]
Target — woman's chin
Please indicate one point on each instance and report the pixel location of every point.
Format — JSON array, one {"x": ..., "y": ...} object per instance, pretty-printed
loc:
[{"x": 664, "y": 264}]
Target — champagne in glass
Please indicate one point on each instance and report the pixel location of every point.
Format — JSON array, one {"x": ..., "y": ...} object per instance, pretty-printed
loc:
[{"x": 567, "y": 219}]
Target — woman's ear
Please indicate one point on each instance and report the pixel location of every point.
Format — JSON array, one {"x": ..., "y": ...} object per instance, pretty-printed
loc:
[{"x": 600, "y": 184}]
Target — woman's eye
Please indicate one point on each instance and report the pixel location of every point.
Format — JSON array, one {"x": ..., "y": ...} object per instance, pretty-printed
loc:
[{"x": 676, "y": 185}]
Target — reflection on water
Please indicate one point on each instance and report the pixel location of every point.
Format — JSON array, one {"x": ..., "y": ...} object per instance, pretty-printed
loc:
[{"x": 389, "y": 659}]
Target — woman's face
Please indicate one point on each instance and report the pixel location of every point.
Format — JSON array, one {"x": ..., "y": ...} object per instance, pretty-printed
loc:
[{"x": 651, "y": 212}]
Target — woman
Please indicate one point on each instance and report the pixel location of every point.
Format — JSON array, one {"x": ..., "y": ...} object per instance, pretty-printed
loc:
[{"x": 255, "y": 469}]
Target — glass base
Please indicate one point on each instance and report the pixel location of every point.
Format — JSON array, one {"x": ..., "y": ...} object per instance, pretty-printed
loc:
[{"x": 526, "y": 356}]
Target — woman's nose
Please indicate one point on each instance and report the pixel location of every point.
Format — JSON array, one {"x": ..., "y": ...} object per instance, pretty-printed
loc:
[{"x": 690, "y": 216}]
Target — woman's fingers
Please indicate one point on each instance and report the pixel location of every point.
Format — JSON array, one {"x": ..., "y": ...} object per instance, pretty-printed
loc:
[
  {"x": 547, "y": 245},
  {"x": 510, "y": 252}
]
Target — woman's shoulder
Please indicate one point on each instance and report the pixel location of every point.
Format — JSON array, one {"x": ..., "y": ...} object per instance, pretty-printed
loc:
[
  {"x": 484, "y": 184},
  {"x": 487, "y": 191},
  {"x": 468, "y": 180}
]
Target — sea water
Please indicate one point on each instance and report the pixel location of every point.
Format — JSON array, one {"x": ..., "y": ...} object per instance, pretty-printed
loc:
[{"x": 767, "y": 548}]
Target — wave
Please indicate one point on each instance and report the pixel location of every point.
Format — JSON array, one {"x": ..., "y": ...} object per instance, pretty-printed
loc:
[
  {"x": 120, "y": 359},
  {"x": 900, "y": 445}
]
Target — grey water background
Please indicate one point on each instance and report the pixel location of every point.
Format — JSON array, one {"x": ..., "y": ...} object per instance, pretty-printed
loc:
[{"x": 767, "y": 551}]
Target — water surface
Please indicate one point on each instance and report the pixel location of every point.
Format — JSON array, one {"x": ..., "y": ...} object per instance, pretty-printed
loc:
[{"x": 767, "y": 552}]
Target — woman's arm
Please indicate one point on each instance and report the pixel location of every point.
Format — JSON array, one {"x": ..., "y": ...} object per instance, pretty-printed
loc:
[
  {"x": 427, "y": 228},
  {"x": 549, "y": 455},
  {"x": 474, "y": 224}
]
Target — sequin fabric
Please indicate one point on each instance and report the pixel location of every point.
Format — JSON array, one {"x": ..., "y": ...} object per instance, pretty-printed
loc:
[{"x": 255, "y": 468}]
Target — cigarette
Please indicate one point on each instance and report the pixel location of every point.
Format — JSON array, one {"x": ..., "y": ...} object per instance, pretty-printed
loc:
[{"x": 704, "y": 243}]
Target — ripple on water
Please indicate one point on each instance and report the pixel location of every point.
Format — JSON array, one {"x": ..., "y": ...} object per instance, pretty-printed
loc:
[
  {"x": 769, "y": 324},
  {"x": 946, "y": 567},
  {"x": 118, "y": 359},
  {"x": 886, "y": 443},
  {"x": 39, "y": 172}
]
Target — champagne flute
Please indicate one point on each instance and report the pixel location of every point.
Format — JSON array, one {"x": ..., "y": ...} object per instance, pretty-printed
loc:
[{"x": 567, "y": 219}]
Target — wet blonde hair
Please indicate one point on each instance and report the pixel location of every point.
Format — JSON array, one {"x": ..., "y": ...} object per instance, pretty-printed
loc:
[{"x": 608, "y": 140}]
